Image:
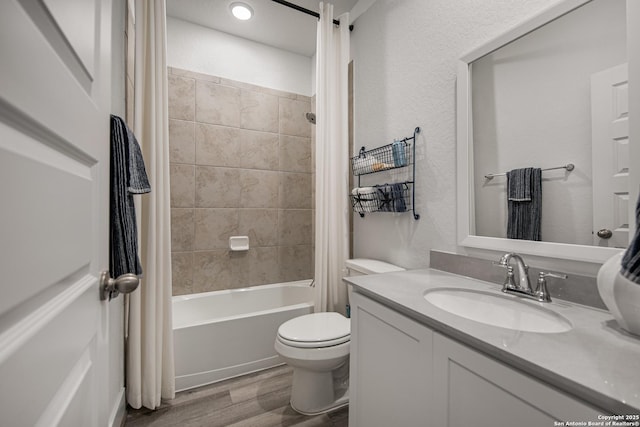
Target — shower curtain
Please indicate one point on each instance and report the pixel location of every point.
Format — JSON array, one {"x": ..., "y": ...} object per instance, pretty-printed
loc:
[
  {"x": 332, "y": 155},
  {"x": 149, "y": 358}
]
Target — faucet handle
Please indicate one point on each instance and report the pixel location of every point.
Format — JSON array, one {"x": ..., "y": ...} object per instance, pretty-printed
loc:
[
  {"x": 509, "y": 281},
  {"x": 541, "y": 292},
  {"x": 543, "y": 274},
  {"x": 499, "y": 264}
]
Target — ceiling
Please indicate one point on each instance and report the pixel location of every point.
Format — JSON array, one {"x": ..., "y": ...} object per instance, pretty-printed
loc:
[{"x": 272, "y": 24}]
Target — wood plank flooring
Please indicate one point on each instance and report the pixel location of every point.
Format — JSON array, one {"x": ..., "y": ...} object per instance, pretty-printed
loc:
[{"x": 256, "y": 400}]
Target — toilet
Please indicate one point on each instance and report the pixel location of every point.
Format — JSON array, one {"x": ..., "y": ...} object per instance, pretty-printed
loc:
[{"x": 317, "y": 347}]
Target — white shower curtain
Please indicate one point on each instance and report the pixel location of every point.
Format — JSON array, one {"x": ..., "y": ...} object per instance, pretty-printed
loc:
[
  {"x": 149, "y": 359},
  {"x": 332, "y": 154}
]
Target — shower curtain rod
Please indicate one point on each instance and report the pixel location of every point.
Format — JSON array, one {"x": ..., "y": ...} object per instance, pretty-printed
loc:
[{"x": 307, "y": 11}]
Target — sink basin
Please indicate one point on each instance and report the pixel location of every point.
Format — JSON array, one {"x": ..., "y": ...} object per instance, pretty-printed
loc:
[{"x": 497, "y": 310}]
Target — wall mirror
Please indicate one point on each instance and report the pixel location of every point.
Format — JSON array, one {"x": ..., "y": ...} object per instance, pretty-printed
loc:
[{"x": 551, "y": 92}]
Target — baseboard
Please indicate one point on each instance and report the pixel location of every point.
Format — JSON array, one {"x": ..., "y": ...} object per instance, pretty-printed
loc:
[{"x": 119, "y": 411}]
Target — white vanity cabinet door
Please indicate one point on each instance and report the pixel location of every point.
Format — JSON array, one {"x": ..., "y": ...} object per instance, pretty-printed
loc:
[
  {"x": 390, "y": 368},
  {"x": 471, "y": 389}
]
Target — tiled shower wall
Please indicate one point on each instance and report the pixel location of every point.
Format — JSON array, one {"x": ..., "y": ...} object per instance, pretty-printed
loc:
[{"x": 240, "y": 159}]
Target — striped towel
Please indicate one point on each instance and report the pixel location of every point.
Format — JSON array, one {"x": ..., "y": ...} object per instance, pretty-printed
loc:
[
  {"x": 397, "y": 194},
  {"x": 631, "y": 259},
  {"x": 128, "y": 177},
  {"x": 524, "y": 193}
]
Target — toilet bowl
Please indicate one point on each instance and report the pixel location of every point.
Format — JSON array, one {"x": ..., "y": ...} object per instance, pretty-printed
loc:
[{"x": 317, "y": 347}]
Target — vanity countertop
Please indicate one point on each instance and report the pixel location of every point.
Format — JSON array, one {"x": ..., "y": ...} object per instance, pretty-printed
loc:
[{"x": 596, "y": 360}]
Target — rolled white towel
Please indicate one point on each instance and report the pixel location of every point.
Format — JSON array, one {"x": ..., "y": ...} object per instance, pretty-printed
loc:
[
  {"x": 365, "y": 199},
  {"x": 364, "y": 165},
  {"x": 361, "y": 191}
]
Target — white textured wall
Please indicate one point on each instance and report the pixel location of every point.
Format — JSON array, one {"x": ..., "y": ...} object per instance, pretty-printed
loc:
[
  {"x": 196, "y": 48},
  {"x": 405, "y": 54}
]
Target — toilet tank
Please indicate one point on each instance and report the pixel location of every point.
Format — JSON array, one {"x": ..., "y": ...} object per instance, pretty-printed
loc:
[{"x": 362, "y": 267}]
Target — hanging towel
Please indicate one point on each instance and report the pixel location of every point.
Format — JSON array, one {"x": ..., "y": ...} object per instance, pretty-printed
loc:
[
  {"x": 397, "y": 194},
  {"x": 128, "y": 177},
  {"x": 631, "y": 259},
  {"x": 524, "y": 194},
  {"x": 385, "y": 199}
]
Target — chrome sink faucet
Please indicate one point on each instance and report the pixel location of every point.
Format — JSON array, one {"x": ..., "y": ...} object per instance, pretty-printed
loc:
[
  {"x": 523, "y": 273},
  {"x": 523, "y": 287}
]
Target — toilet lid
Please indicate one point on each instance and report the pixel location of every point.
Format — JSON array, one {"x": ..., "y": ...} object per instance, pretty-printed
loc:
[{"x": 315, "y": 330}]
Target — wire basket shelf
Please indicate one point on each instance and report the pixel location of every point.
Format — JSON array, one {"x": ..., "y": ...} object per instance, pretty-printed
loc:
[
  {"x": 383, "y": 198},
  {"x": 383, "y": 158}
]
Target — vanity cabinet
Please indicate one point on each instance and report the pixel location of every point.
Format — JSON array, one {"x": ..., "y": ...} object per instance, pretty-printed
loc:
[
  {"x": 390, "y": 367},
  {"x": 471, "y": 389},
  {"x": 404, "y": 374}
]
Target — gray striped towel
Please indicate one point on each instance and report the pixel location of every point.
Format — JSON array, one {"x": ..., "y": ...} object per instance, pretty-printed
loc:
[
  {"x": 128, "y": 177},
  {"x": 524, "y": 193},
  {"x": 631, "y": 259}
]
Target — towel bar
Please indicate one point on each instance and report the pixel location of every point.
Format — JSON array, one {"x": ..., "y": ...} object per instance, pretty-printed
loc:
[{"x": 569, "y": 167}]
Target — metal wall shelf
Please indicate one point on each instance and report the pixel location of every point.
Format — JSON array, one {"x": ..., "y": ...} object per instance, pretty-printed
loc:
[{"x": 395, "y": 197}]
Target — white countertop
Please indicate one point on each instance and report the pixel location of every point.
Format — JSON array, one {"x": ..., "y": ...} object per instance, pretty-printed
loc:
[{"x": 596, "y": 360}]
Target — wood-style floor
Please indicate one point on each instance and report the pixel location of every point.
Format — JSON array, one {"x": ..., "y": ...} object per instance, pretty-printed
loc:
[{"x": 255, "y": 400}]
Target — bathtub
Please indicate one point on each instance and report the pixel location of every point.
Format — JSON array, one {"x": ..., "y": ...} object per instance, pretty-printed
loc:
[{"x": 223, "y": 334}]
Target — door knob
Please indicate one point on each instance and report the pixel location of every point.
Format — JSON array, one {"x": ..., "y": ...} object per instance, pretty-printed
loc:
[
  {"x": 605, "y": 233},
  {"x": 110, "y": 288}
]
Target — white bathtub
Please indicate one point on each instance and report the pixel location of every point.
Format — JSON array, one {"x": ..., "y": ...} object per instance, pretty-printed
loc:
[{"x": 223, "y": 334}]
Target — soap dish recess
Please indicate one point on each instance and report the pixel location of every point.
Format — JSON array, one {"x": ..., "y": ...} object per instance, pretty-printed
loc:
[{"x": 239, "y": 243}]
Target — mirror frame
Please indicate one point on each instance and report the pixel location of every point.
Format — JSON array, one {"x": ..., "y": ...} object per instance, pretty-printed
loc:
[{"x": 465, "y": 197}]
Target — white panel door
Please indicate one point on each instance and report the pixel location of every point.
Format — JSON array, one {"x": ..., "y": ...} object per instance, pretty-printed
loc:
[
  {"x": 610, "y": 148},
  {"x": 54, "y": 181}
]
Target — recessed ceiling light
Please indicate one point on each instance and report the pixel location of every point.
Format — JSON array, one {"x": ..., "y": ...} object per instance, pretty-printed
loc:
[{"x": 241, "y": 11}]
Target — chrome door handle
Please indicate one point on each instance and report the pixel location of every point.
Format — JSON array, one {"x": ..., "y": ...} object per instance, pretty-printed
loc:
[
  {"x": 110, "y": 288},
  {"x": 604, "y": 233}
]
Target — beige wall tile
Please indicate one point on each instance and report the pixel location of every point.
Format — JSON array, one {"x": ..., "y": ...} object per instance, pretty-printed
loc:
[
  {"x": 182, "y": 147},
  {"x": 182, "y": 273},
  {"x": 217, "y": 145},
  {"x": 263, "y": 266},
  {"x": 241, "y": 268},
  {"x": 182, "y": 229},
  {"x": 217, "y": 104},
  {"x": 241, "y": 158},
  {"x": 255, "y": 88},
  {"x": 258, "y": 111},
  {"x": 294, "y": 154},
  {"x": 294, "y": 227},
  {"x": 181, "y": 97},
  {"x": 261, "y": 225},
  {"x": 259, "y": 189},
  {"x": 292, "y": 117},
  {"x": 211, "y": 271},
  {"x": 217, "y": 187},
  {"x": 295, "y": 191},
  {"x": 213, "y": 227},
  {"x": 193, "y": 75},
  {"x": 258, "y": 150},
  {"x": 296, "y": 262},
  {"x": 182, "y": 185}
]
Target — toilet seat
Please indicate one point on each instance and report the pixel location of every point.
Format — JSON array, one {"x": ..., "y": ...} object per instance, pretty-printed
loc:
[{"x": 315, "y": 330}]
